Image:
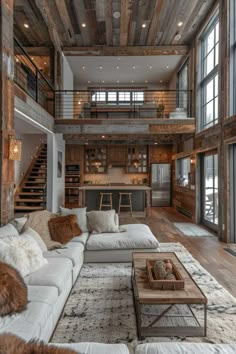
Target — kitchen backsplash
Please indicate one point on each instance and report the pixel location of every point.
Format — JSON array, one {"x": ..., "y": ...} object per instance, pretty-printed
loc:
[{"x": 116, "y": 175}]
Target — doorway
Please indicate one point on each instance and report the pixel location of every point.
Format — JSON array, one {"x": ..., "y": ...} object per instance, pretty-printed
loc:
[{"x": 209, "y": 194}]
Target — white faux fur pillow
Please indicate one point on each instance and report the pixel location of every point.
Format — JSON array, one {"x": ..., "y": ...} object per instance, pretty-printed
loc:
[
  {"x": 35, "y": 235},
  {"x": 22, "y": 253}
]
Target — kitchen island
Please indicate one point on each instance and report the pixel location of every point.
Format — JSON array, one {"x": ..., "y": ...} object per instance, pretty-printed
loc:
[{"x": 140, "y": 196}]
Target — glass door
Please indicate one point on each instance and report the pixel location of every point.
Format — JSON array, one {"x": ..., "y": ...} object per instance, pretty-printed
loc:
[
  {"x": 232, "y": 189},
  {"x": 210, "y": 190}
]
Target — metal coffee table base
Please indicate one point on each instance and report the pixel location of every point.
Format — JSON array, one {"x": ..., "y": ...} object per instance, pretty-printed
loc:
[{"x": 161, "y": 331}]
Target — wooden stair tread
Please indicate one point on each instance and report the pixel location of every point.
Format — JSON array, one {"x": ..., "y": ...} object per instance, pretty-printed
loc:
[
  {"x": 26, "y": 207},
  {"x": 35, "y": 200},
  {"x": 32, "y": 187},
  {"x": 29, "y": 193}
]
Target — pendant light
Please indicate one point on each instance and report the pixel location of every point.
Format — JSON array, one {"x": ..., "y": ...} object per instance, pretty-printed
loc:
[
  {"x": 96, "y": 162},
  {"x": 136, "y": 162}
]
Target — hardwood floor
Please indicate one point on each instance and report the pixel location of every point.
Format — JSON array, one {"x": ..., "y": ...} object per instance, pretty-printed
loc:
[{"x": 207, "y": 250}]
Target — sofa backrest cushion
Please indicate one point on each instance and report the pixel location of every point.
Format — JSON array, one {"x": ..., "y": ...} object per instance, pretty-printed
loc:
[
  {"x": 19, "y": 223},
  {"x": 102, "y": 221},
  {"x": 8, "y": 230},
  {"x": 81, "y": 216},
  {"x": 34, "y": 234},
  {"x": 38, "y": 221},
  {"x": 13, "y": 291},
  {"x": 11, "y": 344},
  {"x": 64, "y": 228}
]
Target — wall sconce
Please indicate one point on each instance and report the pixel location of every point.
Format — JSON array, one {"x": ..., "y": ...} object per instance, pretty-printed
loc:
[
  {"x": 14, "y": 148},
  {"x": 192, "y": 160}
]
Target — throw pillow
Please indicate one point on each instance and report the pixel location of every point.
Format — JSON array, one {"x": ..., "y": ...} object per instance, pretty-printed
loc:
[
  {"x": 102, "y": 221},
  {"x": 13, "y": 291},
  {"x": 64, "y": 228},
  {"x": 19, "y": 223},
  {"x": 11, "y": 344},
  {"x": 81, "y": 216},
  {"x": 32, "y": 233},
  {"x": 22, "y": 253},
  {"x": 8, "y": 230},
  {"x": 38, "y": 221}
]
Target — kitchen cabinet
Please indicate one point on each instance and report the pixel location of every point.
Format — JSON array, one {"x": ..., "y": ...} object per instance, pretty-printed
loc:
[
  {"x": 116, "y": 155},
  {"x": 137, "y": 153},
  {"x": 95, "y": 159}
]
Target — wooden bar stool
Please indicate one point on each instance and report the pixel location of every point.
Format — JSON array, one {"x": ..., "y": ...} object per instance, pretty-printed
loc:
[
  {"x": 105, "y": 200},
  {"x": 128, "y": 205}
]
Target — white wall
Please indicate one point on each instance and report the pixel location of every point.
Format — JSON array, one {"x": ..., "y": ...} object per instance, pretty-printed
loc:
[
  {"x": 68, "y": 84},
  {"x": 55, "y": 184},
  {"x": 30, "y": 146}
]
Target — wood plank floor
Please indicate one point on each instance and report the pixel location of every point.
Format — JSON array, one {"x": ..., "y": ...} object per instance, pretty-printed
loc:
[{"x": 207, "y": 250}]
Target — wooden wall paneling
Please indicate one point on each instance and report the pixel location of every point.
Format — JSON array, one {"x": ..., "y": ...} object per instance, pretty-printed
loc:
[{"x": 160, "y": 153}]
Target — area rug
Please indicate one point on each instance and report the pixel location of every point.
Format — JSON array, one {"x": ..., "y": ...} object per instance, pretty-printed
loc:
[
  {"x": 100, "y": 307},
  {"x": 189, "y": 229}
]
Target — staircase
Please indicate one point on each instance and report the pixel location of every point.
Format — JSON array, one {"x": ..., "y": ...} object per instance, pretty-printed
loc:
[{"x": 31, "y": 194}]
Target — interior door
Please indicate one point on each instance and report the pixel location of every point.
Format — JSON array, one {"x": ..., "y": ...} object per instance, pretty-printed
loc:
[{"x": 209, "y": 195}]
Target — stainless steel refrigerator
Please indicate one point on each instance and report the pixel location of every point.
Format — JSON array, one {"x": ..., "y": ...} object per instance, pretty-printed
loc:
[{"x": 161, "y": 184}]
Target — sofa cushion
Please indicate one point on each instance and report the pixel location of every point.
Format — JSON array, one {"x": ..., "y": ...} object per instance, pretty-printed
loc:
[
  {"x": 81, "y": 239},
  {"x": 11, "y": 344},
  {"x": 64, "y": 228},
  {"x": 97, "y": 348},
  {"x": 38, "y": 221},
  {"x": 55, "y": 273},
  {"x": 22, "y": 253},
  {"x": 13, "y": 291},
  {"x": 135, "y": 236},
  {"x": 185, "y": 348},
  {"x": 102, "y": 221},
  {"x": 45, "y": 294},
  {"x": 81, "y": 216},
  {"x": 72, "y": 251},
  {"x": 8, "y": 230}
]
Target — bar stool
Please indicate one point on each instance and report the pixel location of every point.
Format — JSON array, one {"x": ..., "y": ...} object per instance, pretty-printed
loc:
[
  {"x": 128, "y": 205},
  {"x": 105, "y": 200}
]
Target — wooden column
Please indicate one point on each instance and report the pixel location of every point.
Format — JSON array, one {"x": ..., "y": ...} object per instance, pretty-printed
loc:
[{"x": 6, "y": 109}]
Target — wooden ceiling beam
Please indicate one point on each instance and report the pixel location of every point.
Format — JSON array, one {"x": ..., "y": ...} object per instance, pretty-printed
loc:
[
  {"x": 65, "y": 18},
  {"x": 153, "y": 29},
  {"x": 48, "y": 19},
  {"x": 108, "y": 20},
  {"x": 127, "y": 50},
  {"x": 125, "y": 16}
]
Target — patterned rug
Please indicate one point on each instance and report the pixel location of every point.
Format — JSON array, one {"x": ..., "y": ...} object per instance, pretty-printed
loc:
[
  {"x": 189, "y": 229},
  {"x": 100, "y": 307}
]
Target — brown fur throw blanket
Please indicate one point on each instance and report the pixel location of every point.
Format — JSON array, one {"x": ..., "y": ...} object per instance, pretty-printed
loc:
[
  {"x": 13, "y": 291},
  {"x": 11, "y": 344}
]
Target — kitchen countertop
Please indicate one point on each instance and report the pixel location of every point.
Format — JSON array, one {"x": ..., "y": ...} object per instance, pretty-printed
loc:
[{"x": 115, "y": 187}]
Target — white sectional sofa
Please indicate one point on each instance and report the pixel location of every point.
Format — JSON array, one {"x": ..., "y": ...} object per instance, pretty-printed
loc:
[{"x": 50, "y": 286}]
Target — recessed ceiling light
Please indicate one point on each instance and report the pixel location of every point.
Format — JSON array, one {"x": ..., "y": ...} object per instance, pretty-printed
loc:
[
  {"x": 161, "y": 81},
  {"x": 132, "y": 81},
  {"x": 83, "y": 67},
  {"x": 180, "y": 23},
  {"x": 146, "y": 81},
  {"x": 155, "y": 143},
  {"x": 167, "y": 66},
  {"x": 83, "y": 25},
  {"x": 26, "y": 25},
  {"x": 118, "y": 58},
  {"x": 100, "y": 67},
  {"x": 116, "y": 14},
  {"x": 117, "y": 81},
  {"x": 32, "y": 58},
  {"x": 117, "y": 67},
  {"x": 144, "y": 25},
  {"x": 89, "y": 82},
  {"x": 103, "y": 81},
  {"x": 150, "y": 67},
  {"x": 79, "y": 102},
  {"x": 134, "y": 67},
  {"x": 177, "y": 36},
  {"x": 103, "y": 136}
]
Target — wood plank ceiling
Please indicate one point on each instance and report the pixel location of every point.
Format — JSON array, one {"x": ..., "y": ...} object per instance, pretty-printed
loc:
[{"x": 109, "y": 22}]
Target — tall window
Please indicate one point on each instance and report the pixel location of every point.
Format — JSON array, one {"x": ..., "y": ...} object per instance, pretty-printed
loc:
[
  {"x": 183, "y": 87},
  {"x": 182, "y": 171},
  {"x": 208, "y": 83},
  {"x": 232, "y": 33}
]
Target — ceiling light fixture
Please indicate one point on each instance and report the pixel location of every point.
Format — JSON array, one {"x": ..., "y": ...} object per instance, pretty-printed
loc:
[
  {"x": 150, "y": 67},
  {"x": 134, "y": 67},
  {"x": 155, "y": 143},
  {"x": 132, "y": 81},
  {"x": 100, "y": 67},
  {"x": 117, "y": 67},
  {"x": 161, "y": 81},
  {"x": 146, "y": 81},
  {"x": 103, "y": 81},
  {"x": 103, "y": 136},
  {"x": 180, "y": 23},
  {"x": 83, "y": 25},
  {"x": 116, "y": 14},
  {"x": 96, "y": 162},
  {"x": 26, "y": 25},
  {"x": 144, "y": 25},
  {"x": 79, "y": 102},
  {"x": 89, "y": 82},
  {"x": 83, "y": 67},
  {"x": 167, "y": 66},
  {"x": 45, "y": 63},
  {"x": 117, "y": 81}
]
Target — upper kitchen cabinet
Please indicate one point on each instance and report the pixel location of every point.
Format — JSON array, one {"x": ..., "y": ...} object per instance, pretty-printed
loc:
[
  {"x": 116, "y": 156},
  {"x": 95, "y": 159},
  {"x": 160, "y": 153},
  {"x": 137, "y": 159}
]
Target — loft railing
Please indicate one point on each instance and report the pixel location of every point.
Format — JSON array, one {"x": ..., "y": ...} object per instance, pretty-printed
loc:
[
  {"x": 30, "y": 79},
  {"x": 137, "y": 104}
]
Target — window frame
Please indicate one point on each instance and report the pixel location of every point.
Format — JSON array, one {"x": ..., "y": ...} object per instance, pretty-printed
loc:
[
  {"x": 180, "y": 167},
  {"x": 232, "y": 57},
  {"x": 205, "y": 79}
]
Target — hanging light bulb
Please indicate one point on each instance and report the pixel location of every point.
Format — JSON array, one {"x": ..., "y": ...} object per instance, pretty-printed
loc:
[
  {"x": 96, "y": 162},
  {"x": 136, "y": 163}
]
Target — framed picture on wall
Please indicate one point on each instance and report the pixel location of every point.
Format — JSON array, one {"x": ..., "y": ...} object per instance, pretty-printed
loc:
[{"x": 59, "y": 164}]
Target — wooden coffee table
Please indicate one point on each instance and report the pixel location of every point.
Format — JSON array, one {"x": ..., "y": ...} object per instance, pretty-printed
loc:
[{"x": 144, "y": 295}]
